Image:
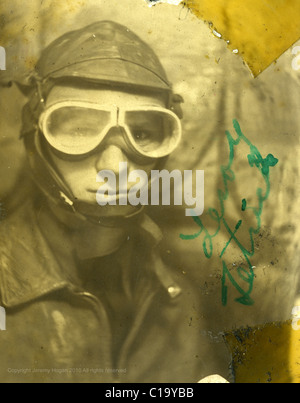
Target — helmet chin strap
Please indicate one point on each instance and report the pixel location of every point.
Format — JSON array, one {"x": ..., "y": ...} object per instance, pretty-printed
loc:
[{"x": 90, "y": 212}]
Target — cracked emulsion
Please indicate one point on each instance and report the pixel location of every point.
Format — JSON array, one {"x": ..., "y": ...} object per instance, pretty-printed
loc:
[
  {"x": 154, "y": 2},
  {"x": 2, "y": 318}
]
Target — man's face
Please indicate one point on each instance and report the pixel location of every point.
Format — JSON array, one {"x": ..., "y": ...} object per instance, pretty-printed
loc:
[{"x": 80, "y": 172}]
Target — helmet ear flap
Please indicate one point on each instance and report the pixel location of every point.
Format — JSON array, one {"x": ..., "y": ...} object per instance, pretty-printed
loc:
[{"x": 175, "y": 105}]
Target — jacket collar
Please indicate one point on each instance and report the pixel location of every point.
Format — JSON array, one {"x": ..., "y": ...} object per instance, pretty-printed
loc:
[{"x": 29, "y": 268}]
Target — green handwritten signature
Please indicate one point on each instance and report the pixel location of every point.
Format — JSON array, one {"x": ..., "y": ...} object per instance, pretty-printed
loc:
[{"x": 243, "y": 281}]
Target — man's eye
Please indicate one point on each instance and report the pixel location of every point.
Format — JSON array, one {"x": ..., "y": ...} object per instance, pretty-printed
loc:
[{"x": 141, "y": 135}]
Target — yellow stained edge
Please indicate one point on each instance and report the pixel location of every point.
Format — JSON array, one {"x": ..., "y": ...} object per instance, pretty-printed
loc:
[
  {"x": 266, "y": 354},
  {"x": 259, "y": 30}
]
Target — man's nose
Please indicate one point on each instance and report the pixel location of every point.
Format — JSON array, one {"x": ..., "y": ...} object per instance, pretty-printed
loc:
[{"x": 110, "y": 158}]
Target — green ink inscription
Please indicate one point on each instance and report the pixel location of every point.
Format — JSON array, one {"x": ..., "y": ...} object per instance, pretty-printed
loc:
[{"x": 243, "y": 280}]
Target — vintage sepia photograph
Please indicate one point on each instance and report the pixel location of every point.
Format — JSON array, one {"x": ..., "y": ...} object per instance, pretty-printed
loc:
[{"x": 149, "y": 221}]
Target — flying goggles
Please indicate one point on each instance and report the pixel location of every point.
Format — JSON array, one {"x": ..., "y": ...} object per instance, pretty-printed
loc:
[{"x": 78, "y": 128}]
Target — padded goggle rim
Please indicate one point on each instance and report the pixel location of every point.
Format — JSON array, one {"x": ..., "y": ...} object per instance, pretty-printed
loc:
[{"x": 118, "y": 118}]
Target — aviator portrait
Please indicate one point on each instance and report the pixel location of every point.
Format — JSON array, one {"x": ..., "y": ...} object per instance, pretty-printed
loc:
[{"x": 87, "y": 294}]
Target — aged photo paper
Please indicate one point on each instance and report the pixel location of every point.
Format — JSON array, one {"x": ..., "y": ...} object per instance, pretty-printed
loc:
[{"x": 149, "y": 192}]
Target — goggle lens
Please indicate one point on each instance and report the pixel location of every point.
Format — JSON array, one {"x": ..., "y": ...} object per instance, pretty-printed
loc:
[
  {"x": 152, "y": 132},
  {"x": 75, "y": 130}
]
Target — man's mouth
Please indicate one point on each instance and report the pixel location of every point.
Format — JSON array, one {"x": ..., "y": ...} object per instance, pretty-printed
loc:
[{"x": 114, "y": 194}]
